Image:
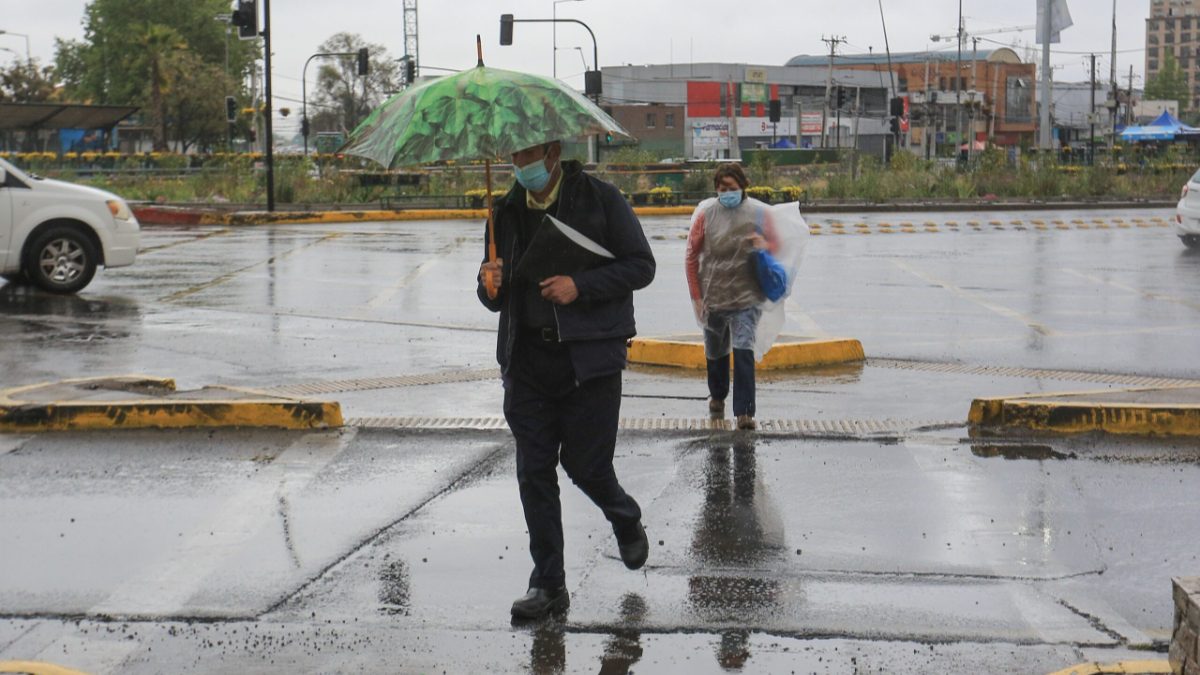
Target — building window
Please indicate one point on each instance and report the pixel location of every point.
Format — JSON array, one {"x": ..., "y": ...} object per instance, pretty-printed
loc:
[
  {"x": 902, "y": 84},
  {"x": 1185, "y": 24},
  {"x": 669, "y": 121},
  {"x": 1169, "y": 38},
  {"x": 942, "y": 84},
  {"x": 651, "y": 120},
  {"x": 1185, "y": 37},
  {"x": 1184, "y": 62},
  {"x": 1153, "y": 40},
  {"x": 1153, "y": 51},
  {"x": 1019, "y": 100},
  {"x": 1152, "y": 26},
  {"x": 1153, "y": 65}
]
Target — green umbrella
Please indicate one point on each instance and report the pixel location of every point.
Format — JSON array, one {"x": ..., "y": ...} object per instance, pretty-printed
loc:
[{"x": 482, "y": 113}]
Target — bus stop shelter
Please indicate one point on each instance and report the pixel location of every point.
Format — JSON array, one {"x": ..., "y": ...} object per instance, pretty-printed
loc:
[{"x": 33, "y": 117}]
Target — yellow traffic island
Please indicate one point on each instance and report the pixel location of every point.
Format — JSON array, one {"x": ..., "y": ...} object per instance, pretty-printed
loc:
[
  {"x": 1149, "y": 411},
  {"x": 1120, "y": 667},
  {"x": 37, "y": 668},
  {"x": 135, "y": 402},
  {"x": 790, "y": 351}
]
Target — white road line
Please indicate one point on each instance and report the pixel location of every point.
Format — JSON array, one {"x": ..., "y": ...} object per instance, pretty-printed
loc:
[
  {"x": 169, "y": 582},
  {"x": 1131, "y": 289},
  {"x": 236, "y": 273},
  {"x": 976, "y": 298},
  {"x": 404, "y": 281}
]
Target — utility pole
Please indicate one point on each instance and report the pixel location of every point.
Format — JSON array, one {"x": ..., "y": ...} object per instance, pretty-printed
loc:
[
  {"x": 833, "y": 43},
  {"x": 1129, "y": 99},
  {"x": 958, "y": 123},
  {"x": 925, "y": 135},
  {"x": 1113, "y": 73},
  {"x": 854, "y": 157},
  {"x": 1092, "y": 118},
  {"x": 1044, "y": 137},
  {"x": 971, "y": 115}
]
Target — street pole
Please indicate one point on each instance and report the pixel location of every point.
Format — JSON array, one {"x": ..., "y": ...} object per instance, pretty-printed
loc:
[
  {"x": 1113, "y": 75},
  {"x": 958, "y": 90},
  {"x": 304, "y": 90},
  {"x": 1044, "y": 138},
  {"x": 1092, "y": 118},
  {"x": 270, "y": 140},
  {"x": 854, "y": 157},
  {"x": 833, "y": 43}
]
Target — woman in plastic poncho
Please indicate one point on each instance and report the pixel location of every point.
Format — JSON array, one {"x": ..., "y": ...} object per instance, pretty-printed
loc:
[{"x": 726, "y": 292}]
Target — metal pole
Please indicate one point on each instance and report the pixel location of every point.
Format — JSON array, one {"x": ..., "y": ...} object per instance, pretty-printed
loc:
[
  {"x": 1044, "y": 137},
  {"x": 554, "y": 29},
  {"x": 1092, "y": 118},
  {"x": 958, "y": 128},
  {"x": 270, "y": 140}
]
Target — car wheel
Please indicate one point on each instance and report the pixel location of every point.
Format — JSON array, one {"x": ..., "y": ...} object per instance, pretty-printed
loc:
[
  {"x": 61, "y": 260},
  {"x": 1191, "y": 240}
]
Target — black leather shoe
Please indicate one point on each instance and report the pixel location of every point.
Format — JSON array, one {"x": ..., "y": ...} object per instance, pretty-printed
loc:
[
  {"x": 635, "y": 551},
  {"x": 540, "y": 602}
]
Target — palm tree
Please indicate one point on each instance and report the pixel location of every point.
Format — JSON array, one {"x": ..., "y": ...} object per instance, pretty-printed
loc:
[{"x": 160, "y": 44}]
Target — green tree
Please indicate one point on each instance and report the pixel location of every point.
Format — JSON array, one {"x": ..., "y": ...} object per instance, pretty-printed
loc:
[
  {"x": 160, "y": 48},
  {"x": 1170, "y": 84},
  {"x": 114, "y": 63},
  {"x": 342, "y": 89},
  {"x": 26, "y": 82}
]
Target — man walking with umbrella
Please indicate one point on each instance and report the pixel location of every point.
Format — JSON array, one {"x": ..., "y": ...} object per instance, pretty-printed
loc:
[{"x": 561, "y": 349}]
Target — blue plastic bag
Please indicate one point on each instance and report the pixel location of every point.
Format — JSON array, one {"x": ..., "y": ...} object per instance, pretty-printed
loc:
[{"x": 771, "y": 275}]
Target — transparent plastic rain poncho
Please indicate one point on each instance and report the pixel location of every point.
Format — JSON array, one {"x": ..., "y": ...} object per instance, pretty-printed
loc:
[{"x": 729, "y": 268}]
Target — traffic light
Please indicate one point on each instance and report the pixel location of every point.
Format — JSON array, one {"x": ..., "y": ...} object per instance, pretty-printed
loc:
[
  {"x": 245, "y": 17},
  {"x": 841, "y": 97},
  {"x": 592, "y": 85},
  {"x": 284, "y": 112},
  {"x": 506, "y": 28},
  {"x": 775, "y": 110},
  {"x": 608, "y": 137},
  {"x": 897, "y": 107},
  {"x": 230, "y": 109},
  {"x": 410, "y": 71},
  {"x": 364, "y": 61},
  {"x": 304, "y": 127},
  {"x": 894, "y": 124}
]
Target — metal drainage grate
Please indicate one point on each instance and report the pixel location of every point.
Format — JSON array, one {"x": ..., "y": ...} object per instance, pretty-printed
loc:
[
  {"x": 840, "y": 427},
  {"x": 1036, "y": 373}
]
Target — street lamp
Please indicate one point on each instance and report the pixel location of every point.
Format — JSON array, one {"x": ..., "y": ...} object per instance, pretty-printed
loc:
[
  {"x": 28, "y": 60},
  {"x": 556, "y": 3},
  {"x": 304, "y": 127}
]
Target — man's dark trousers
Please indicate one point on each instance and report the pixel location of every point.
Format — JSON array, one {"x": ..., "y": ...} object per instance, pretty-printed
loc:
[
  {"x": 582, "y": 422},
  {"x": 743, "y": 380}
]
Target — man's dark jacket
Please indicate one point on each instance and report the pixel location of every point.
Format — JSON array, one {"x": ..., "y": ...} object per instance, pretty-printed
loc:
[{"x": 604, "y": 310}]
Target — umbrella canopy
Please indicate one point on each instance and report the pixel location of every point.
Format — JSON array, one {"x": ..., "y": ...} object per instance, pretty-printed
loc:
[
  {"x": 482, "y": 113},
  {"x": 977, "y": 145}
]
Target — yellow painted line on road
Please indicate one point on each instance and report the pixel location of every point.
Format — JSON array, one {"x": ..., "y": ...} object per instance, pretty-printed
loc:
[
  {"x": 37, "y": 668},
  {"x": 257, "y": 218},
  {"x": 1144, "y": 225},
  {"x": 909, "y": 230},
  {"x": 1164, "y": 224},
  {"x": 906, "y": 224},
  {"x": 1118, "y": 668},
  {"x": 952, "y": 223},
  {"x": 973, "y": 223},
  {"x": 1046, "y": 227},
  {"x": 1016, "y": 222},
  {"x": 1137, "y": 220},
  {"x": 1083, "y": 227},
  {"x": 929, "y": 224},
  {"x": 1097, "y": 220},
  {"x": 1038, "y": 222},
  {"x": 885, "y": 224},
  {"x": 235, "y": 274},
  {"x": 978, "y": 299},
  {"x": 931, "y": 229},
  {"x": 1124, "y": 226},
  {"x": 1102, "y": 227},
  {"x": 681, "y": 353},
  {"x": 1057, "y": 222}
]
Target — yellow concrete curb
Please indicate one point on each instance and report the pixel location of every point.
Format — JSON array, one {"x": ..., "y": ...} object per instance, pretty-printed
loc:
[
  {"x": 677, "y": 352},
  {"x": 1122, "y": 667},
  {"x": 241, "y": 408},
  {"x": 37, "y": 668},
  {"x": 1076, "y": 417},
  {"x": 251, "y": 218}
]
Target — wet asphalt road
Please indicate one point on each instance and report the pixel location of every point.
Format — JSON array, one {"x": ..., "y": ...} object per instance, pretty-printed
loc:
[{"x": 908, "y": 548}]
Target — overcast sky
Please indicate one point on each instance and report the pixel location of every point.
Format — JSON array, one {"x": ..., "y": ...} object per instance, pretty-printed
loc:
[{"x": 637, "y": 31}]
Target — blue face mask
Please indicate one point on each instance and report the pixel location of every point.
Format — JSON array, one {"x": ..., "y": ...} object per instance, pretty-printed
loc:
[
  {"x": 730, "y": 200},
  {"x": 534, "y": 176}
]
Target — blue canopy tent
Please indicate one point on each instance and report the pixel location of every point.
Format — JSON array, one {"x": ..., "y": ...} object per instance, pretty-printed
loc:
[
  {"x": 784, "y": 143},
  {"x": 1165, "y": 128}
]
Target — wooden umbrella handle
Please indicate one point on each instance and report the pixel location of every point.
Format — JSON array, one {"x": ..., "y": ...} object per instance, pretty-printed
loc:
[{"x": 489, "y": 280}]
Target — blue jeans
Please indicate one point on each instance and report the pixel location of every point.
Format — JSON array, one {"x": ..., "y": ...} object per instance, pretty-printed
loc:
[
  {"x": 726, "y": 331},
  {"x": 743, "y": 380}
]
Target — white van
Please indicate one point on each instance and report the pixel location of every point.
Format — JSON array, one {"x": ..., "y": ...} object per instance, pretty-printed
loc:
[{"x": 56, "y": 234}]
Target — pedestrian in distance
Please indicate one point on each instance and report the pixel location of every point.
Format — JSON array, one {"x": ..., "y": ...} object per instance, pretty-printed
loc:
[
  {"x": 561, "y": 348},
  {"x": 733, "y": 275}
]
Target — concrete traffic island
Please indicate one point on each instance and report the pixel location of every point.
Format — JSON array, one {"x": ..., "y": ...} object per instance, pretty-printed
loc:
[
  {"x": 1147, "y": 411},
  {"x": 136, "y": 402},
  {"x": 1185, "y": 638},
  {"x": 790, "y": 351}
]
